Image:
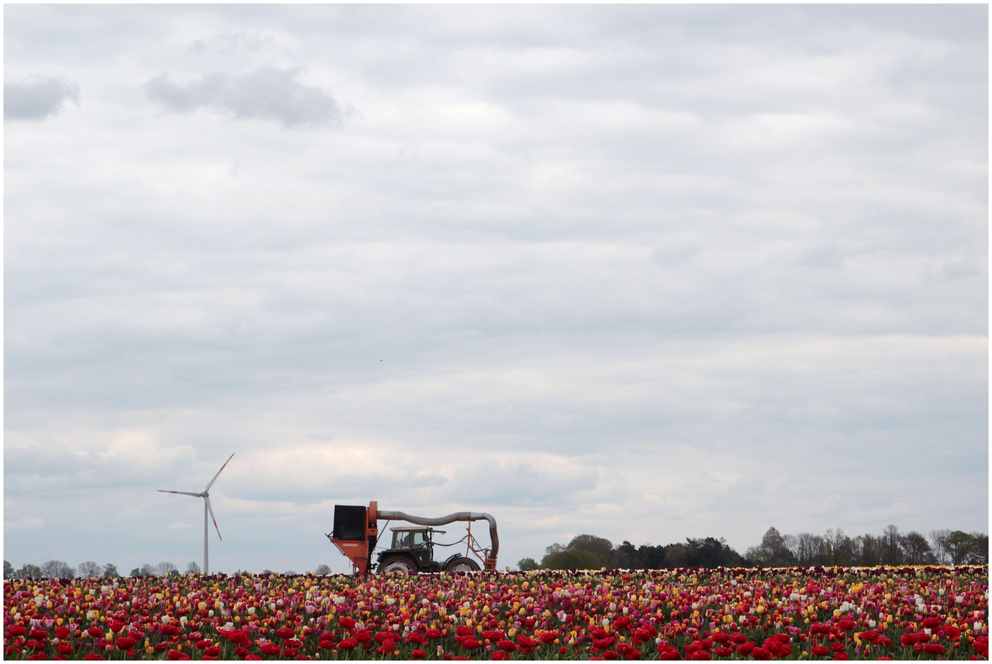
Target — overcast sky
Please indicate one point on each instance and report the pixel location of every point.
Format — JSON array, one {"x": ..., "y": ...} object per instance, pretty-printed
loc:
[{"x": 645, "y": 272}]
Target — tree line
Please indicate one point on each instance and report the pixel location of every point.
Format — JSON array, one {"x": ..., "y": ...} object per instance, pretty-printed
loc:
[
  {"x": 833, "y": 548},
  {"x": 942, "y": 547},
  {"x": 57, "y": 569}
]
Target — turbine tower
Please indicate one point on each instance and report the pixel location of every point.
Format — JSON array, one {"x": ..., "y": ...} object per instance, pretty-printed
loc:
[{"x": 206, "y": 508}]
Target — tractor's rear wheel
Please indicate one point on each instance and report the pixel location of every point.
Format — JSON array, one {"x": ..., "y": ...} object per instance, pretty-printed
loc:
[
  {"x": 401, "y": 564},
  {"x": 462, "y": 564}
]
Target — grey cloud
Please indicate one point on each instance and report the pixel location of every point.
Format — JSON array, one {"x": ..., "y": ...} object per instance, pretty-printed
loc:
[
  {"x": 266, "y": 93},
  {"x": 37, "y": 97},
  {"x": 721, "y": 263}
]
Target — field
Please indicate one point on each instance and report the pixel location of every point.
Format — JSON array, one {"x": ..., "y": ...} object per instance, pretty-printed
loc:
[{"x": 794, "y": 613}]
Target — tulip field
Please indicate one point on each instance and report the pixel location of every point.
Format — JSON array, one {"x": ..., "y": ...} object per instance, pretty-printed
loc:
[{"x": 735, "y": 614}]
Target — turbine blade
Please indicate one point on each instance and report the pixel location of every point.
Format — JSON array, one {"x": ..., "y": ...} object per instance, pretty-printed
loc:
[
  {"x": 185, "y": 493},
  {"x": 218, "y": 473},
  {"x": 210, "y": 509}
]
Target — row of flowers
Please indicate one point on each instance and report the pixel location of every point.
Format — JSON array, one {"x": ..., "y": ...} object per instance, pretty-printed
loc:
[{"x": 790, "y": 613}]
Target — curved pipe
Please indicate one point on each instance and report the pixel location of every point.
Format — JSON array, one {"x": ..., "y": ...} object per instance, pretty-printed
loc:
[{"x": 443, "y": 520}]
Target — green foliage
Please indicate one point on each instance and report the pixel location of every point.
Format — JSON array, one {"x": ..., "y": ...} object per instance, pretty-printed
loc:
[
  {"x": 8, "y": 570},
  {"x": 593, "y": 544},
  {"x": 960, "y": 545},
  {"x": 573, "y": 560},
  {"x": 528, "y": 564}
]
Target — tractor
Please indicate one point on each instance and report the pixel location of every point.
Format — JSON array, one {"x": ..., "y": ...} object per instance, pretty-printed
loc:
[{"x": 411, "y": 551}]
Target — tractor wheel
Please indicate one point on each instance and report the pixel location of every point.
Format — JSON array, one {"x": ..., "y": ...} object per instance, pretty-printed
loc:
[
  {"x": 462, "y": 564},
  {"x": 401, "y": 564}
]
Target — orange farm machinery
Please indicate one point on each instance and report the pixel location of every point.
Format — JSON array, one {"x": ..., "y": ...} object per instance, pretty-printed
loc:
[{"x": 411, "y": 551}]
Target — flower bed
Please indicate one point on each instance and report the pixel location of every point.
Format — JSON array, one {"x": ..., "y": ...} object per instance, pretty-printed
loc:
[{"x": 793, "y": 613}]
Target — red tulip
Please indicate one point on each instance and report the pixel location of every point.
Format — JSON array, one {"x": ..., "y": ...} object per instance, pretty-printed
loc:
[{"x": 271, "y": 649}]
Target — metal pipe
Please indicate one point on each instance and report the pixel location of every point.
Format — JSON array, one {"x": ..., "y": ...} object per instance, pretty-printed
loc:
[{"x": 443, "y": 520}]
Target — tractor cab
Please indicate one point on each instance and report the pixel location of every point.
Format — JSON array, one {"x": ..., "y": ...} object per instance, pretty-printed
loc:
[
  {"x": 418, "y": 541},
  {"x": 412, "y": 552}
]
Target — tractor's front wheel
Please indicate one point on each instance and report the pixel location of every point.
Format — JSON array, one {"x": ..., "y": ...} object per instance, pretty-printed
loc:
[
  {"x": 462, "y": 564},
  {"x": 401, "y": 564}
]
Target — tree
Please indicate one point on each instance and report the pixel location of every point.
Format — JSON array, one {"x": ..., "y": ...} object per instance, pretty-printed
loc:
[
  {"x": 322, "y": 570},
  {"x": 192, "y": 567},
  {"x": 959, "y": 545},
  {"x": 555, "y": 548},
  {"x": 574, "y": 559},
  {"x": 136, "y": 572},
  {"x": 166, "y": 569},
  {"x": 57, "y": 569},
  {"x": 981, "y": 549},
  {"x": 147, "y": 570},
  {"x": 28, "y": 571},
  {"x": 88, "y": 570},
  {"x": 8, "y": 570},
  {"x": 289, "y": 573},
  {"x": 772, "y": 552},
  {"x": 625, "y": 557},
  {"x": 110, "y": 571},
  {"x": 916, "y": 550},
  {"x": 592, "y": 543},
  {"x": 891, "y": 551},
  {"x": 840, "y": 546},
  {"x": 938, "y": 539},
  {"x": 871, "y": 551},
  {"x": 676, "y": 555},
  {"x": 710, "y": 552},
  {"x": 652, "y": 557},
  {"x": 528, "y": 564}
]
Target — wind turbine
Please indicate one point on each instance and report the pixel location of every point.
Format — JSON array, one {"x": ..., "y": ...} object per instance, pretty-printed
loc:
[{"x": 206, "y": 508}]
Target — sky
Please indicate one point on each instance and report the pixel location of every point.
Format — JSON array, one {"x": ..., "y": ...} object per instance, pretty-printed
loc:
[{"x": 647, "y": 272}]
